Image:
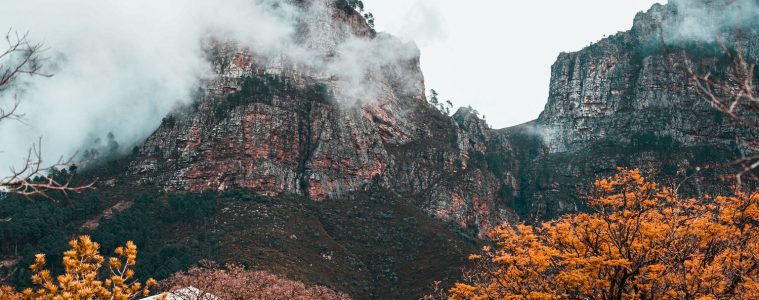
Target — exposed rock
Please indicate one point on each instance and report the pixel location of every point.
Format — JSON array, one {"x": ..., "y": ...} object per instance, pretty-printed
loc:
[
  {"x": 107, "y": 214},
  {"x": 283, "y": 129},
  {"x": 306, "y": 138},
  {"x": 627, "y": 101}
]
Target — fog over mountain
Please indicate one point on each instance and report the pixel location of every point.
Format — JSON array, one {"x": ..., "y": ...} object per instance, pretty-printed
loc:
[{"x": 121, "y": 66}]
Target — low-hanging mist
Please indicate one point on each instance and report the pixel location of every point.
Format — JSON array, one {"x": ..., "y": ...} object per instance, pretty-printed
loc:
[
  {"x": 121, "y": 66},
  {"x": 709, "y": 20}
]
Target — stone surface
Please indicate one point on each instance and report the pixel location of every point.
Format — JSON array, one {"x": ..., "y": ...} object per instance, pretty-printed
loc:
[
  {"x": 297, "y": 142},
  {"x": 623, "y": 101},
  {"x": 627, "y": 101}
]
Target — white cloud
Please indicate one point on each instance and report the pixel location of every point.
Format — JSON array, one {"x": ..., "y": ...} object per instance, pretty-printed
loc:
[{"x": 119, "y": 66}]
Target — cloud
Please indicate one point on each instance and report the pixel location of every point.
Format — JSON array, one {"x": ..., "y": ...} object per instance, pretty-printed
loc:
[
  {"x": 357, "y": 73},
  {"x": 705, "y": 20},
  {"x": 121, "y": 66},
  {"x": 423, "y": 23}
]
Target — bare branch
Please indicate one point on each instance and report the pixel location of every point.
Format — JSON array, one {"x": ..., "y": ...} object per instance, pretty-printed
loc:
[
  {"x": 735, "y": 96},
  {"x": 12, "y": 112},
  {"x": 23, "y": 57},
  {"x": 36, "y": 179}
]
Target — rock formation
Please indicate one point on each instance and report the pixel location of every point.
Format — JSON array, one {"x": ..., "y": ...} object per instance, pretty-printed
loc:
[{"x": 281, "y": 128}]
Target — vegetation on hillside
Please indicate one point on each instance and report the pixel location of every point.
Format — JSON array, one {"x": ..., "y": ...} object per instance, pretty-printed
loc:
[
  {"x": 351, "y": 6},
  {"x": 267, "y": 88},
  {"x": 31, "y": 227},
  {"x": 236, "y": 282},
  {"x": 443, "y": 106},
  {"x": 366, "y": 246}
]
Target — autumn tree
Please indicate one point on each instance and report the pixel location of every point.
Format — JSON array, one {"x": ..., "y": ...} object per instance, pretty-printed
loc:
[
  {"x": 640, "y": 241},
  {"x": 22, "y": 57},
  {"x": 85, "y": 277},
  {"x": 233, "y": 282}
]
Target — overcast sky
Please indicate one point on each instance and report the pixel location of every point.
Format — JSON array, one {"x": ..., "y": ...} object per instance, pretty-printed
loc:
[{"x": 496, "y": 55}]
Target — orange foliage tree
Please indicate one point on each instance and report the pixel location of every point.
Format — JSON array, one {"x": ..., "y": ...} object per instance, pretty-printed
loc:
[
  {"x": 641, "y": 241},
  {"x": 83, "y": 265}
]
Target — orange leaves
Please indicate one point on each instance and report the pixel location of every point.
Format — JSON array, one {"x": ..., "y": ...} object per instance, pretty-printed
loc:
[
  {"x": 39, "y": 263},
  {"x": 83, "y": 265},
  {"x": 463, "y": 291},
  {"x": 640, "y": 242},
  {"x": 605, "y": 185}
]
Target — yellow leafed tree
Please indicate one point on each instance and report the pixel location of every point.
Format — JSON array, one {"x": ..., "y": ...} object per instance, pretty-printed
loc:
[
  {"x": 84, "y": 268},
  {"x": 640, "y": 241}
]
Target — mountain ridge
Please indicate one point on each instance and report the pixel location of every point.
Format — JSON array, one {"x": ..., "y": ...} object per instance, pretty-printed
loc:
[
  {"x": 359, "y": 184},
  {"x": 301, "y": 135}
]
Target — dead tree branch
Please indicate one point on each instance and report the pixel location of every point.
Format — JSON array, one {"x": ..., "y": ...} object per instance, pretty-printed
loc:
[
  {"x": 22, "y": 57},
  {"x": 734, "y": 95},
  {"x": 36, "y": 179}
]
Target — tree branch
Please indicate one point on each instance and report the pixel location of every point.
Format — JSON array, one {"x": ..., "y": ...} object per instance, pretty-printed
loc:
[
  {"x": 734, "y": 96},
  {"x": 23, "y": 57},
  {"x": 36, "y": 179}
]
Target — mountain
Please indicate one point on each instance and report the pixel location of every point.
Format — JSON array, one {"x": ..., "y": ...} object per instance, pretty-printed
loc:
[
  {"x": 359, "y": 184},
  {"x": 627, "y": 101},
  {"x": 280, "y": 130},
  {"x": 624, "y": 101}
]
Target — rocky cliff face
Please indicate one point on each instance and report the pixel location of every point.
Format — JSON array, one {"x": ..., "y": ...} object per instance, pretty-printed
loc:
[
  {"x": 635, "y": 82},
  {"x": 279, "y": 127},
  {"x": 627, "y": 101},
  {"x": 282, "y": 128}
]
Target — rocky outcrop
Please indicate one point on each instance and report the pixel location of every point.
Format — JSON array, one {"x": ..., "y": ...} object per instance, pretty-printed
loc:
[
  {"x": 284, "y": 129},
  {"x": 627, "y": 101},
  {"x": 281, "y": 127},
  {"x": 635, "y": 82}
]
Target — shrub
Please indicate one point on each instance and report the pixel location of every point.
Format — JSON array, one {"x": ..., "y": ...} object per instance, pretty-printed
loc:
[
  {"x": 640, "y": 241},
  {"x": 236, "y": 282},
  {"x": 83, "y": 278}
]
